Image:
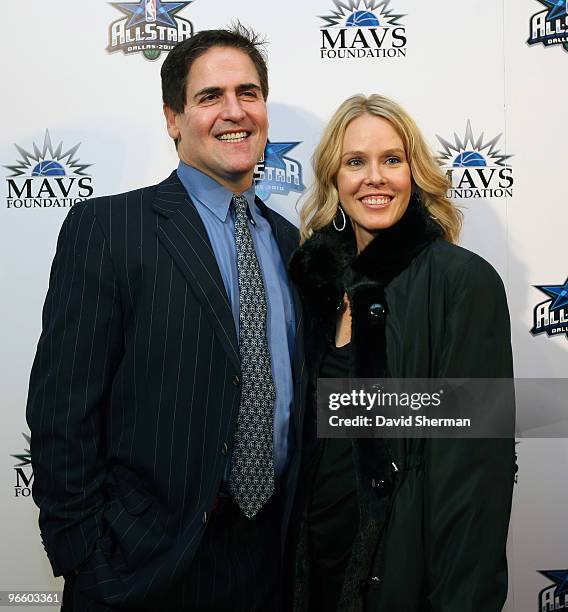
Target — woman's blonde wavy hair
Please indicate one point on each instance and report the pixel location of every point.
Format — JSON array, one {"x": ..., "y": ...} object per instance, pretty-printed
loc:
[{"x": 323, "y": 199}]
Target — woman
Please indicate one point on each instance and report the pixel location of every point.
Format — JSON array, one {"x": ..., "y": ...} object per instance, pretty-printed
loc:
[{"x": 409, "y": 524}]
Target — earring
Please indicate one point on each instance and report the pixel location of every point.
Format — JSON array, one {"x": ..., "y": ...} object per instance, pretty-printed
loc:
[{"x": 340, "y": 229}]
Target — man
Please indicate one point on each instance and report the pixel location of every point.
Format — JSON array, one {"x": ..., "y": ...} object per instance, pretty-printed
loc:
[{"x": 162, "y": 393}]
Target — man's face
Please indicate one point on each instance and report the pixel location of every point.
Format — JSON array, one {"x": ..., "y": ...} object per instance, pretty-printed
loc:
[{"x": 224, "y": 126}]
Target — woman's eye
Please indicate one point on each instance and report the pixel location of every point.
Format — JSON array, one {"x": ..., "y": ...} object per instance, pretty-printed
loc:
[
  {"x": 354, "y": 162},
  {"x": 393, "y": 160}
]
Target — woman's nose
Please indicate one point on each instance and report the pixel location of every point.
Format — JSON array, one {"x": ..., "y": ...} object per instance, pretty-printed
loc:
[{"x": 375, "y": 174}]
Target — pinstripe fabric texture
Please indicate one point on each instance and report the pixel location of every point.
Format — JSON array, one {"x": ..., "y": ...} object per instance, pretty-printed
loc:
[{"x": 134, "y": 394}]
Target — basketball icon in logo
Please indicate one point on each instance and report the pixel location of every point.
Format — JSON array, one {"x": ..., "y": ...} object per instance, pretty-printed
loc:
[
  {"x": 48, "y": 167},
  {"x": 469, "y": 159},
  {"x": 362, "y": 19}
]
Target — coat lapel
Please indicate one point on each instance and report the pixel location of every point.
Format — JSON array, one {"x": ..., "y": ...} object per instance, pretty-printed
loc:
[
  {"x": 327, "y": 265},
  {"x": 183, "y": 234}
]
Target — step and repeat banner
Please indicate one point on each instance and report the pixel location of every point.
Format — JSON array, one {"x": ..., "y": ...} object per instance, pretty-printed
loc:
[{"x": 484, "y": 79}]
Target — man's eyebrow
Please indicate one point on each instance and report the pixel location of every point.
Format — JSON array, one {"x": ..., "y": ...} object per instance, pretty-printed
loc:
[
  {"x": 247, "y": 87},
  {"x": 207, "y": 91}
]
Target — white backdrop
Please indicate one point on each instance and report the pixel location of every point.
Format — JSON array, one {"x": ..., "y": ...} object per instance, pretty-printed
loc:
[{"x": 453, "y": 65}]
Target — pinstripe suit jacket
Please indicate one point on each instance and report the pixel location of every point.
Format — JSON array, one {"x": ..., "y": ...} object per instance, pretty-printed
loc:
[{"x": 135, "y": 389}]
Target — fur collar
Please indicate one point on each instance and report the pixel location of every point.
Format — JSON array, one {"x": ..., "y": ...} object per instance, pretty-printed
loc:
[{"x": 327, "y": 264}]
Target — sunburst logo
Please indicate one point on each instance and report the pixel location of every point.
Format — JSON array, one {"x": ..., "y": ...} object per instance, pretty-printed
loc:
[
  {"x": 47, "y": 176},
  {"x": 23, "y": 471},
  {"x": 48, "y": 160},
  {"x": 362, "y": 28},
  {"x": 148, "y": 27},
  {"x": 550, "y": 27},
  {"x": 476, "y": 166}
]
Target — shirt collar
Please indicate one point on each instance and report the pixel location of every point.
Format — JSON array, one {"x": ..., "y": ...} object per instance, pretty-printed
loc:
[{"x": 207, "y": 192}]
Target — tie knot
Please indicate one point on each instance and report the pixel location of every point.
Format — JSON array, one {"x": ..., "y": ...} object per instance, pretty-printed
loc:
[{"x": 240, "y": 203}]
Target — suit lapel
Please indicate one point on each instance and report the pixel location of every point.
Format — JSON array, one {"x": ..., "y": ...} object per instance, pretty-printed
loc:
[
  {"x": 183, "y": 234},
  {"x": 287, "y": 240}
]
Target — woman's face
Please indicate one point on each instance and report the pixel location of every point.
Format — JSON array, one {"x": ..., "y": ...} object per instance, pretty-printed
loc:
[{"x": 374, "y": 180}]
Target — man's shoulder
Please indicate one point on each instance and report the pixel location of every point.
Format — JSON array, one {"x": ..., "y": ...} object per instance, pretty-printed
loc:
[{"x": 119, "y": 204}]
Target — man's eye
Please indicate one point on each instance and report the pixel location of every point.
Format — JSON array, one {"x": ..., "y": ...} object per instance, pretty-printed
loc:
[
  {"x": 251, "y": 93},
  {"x": 209, "y": 97}
]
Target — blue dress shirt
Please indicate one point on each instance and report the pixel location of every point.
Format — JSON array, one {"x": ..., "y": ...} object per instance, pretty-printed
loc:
[{"x": 212, "y": 202}]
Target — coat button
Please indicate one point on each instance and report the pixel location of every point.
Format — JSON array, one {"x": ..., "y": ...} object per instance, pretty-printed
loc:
[
  {"x": 377, "y": 310},
  {"x": 236, "y": 380},
  {"x": 225, "y": 449},
  {"x": 204, "y": 518},
  {"x": 374, "y": 582}
]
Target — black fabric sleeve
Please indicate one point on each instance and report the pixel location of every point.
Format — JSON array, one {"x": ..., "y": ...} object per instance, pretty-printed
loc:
[
  {"x": 77, "y": 354},
  {"x": 469, "y": 482}
]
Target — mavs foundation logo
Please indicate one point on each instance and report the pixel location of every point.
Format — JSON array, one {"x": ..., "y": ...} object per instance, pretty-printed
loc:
[
  {"x": 276, "y": 172},
  {"x": 550, "y": 27},
  {"x": 23, "y": 471},
  {"x": 476, "y": 167},
  {"x": 554, "y": 597},
  {"x": 551, "y": 316},
  {"x": 150, "y": 27},
  {"x": 48, "y": 177},
  {"x": 362, "y": 28}
]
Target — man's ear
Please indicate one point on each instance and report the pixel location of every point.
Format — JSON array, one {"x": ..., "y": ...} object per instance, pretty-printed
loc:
[{"x": 171, "y": 116}]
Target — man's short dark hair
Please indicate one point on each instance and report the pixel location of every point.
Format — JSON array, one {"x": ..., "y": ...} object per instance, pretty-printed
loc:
[{"x": 177, "y": 64}]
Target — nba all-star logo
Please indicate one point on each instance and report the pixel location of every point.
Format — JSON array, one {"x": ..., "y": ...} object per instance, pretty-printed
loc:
[
  {"x": 551, "y": 316},
  {"x": 554, "y": 597},
  {"x": 277, "y": 172},
  {"x": 23, "y": 471},
  {"x": 550, "y": 27},
  {"x": 362, "y": 28},
  {"x": 148, "y": 27},
  {"x": 476, "y": 166},
  {"x": 48, "y": 176}
]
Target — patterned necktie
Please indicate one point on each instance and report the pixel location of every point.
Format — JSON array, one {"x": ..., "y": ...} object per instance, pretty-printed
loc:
[{"x": 252, "y": 470}]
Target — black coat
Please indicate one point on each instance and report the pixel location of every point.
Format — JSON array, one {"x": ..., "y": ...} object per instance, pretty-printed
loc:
[{"x": 434, "y": 513}]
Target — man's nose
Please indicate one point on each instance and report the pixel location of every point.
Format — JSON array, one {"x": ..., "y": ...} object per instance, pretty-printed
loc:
[{"x": 232, "y": 108}]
